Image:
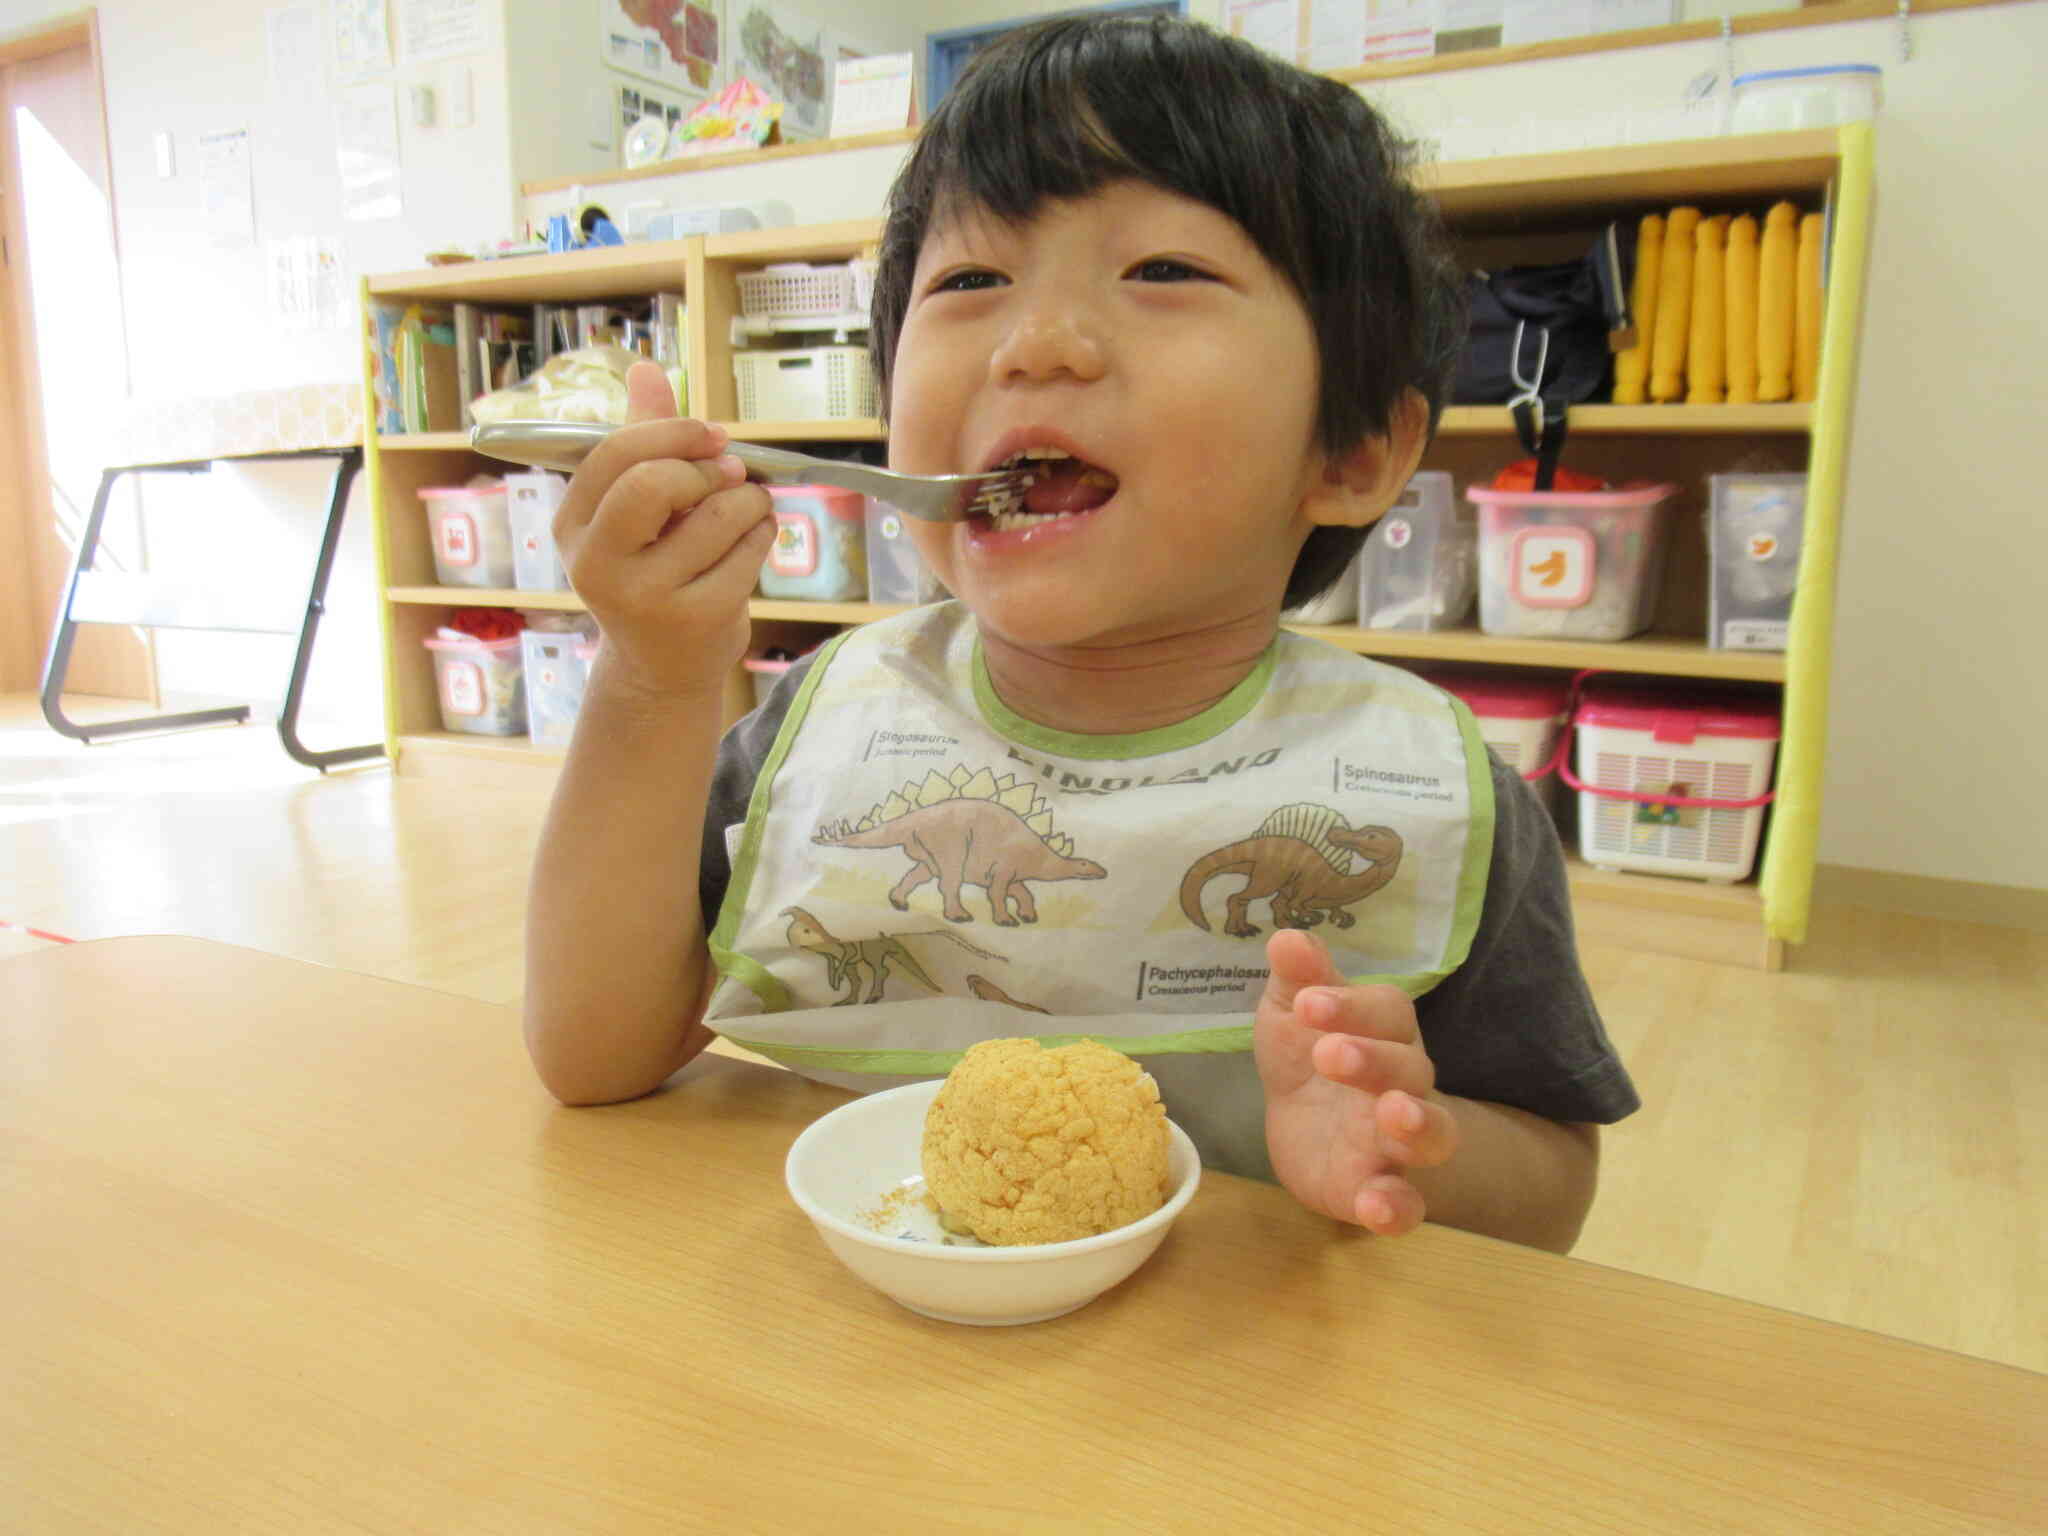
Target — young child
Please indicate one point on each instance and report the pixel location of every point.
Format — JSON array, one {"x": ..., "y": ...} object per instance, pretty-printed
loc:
[{"x": 1192, "y": 288}]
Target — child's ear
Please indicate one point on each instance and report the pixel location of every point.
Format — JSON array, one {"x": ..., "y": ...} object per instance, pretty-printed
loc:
[{"x": 1358, "y": 487}]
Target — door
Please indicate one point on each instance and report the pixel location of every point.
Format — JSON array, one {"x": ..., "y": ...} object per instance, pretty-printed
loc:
[{"x": 67, "y": 358}]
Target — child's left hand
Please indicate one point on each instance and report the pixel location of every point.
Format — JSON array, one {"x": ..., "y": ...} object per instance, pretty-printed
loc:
[{"x": 1351, "y": 1104}]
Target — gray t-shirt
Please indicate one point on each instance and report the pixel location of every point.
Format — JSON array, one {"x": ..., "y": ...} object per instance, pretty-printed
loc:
[{"x": 1515, "y": 1024}]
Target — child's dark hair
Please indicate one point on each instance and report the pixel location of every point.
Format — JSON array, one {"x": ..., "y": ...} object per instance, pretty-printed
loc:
[{"x": 1303, "y": 163}]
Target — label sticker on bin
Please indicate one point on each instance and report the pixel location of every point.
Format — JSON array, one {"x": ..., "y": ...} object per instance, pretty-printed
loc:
[
  {"x": 456, "y": 532},
  {"x": 1551, "y": 567},
  {"x": 796, "y": 545},
  {"x": 1399, "y": 532},
  {"x": 462, "y": 687}
]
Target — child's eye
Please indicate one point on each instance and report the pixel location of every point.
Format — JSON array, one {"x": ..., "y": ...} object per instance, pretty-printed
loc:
[
  {"x": 1164, "y": 269},
  {"x": 968, "y": 280}
]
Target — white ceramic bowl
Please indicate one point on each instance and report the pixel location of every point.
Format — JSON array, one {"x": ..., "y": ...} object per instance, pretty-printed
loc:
[{"x": 857, "y": 1173}]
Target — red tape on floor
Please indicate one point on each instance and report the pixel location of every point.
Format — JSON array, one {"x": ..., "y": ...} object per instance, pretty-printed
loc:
[{"x": 35, "y": 933}]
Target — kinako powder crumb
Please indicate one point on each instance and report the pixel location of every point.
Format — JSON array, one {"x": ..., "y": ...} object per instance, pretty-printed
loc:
[{"x": 1029, "y": 1145}]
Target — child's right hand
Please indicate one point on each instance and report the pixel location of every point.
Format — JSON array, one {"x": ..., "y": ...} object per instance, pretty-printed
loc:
[{"x": 663, "y": 539}]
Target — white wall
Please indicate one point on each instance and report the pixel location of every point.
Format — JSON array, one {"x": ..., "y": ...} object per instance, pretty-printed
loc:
[{"x": 198, "y": 321}]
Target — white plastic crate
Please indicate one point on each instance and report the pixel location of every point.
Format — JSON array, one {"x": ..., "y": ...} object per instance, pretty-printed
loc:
[
  {"x": 1641, "y": 757},
  {"x": 790, "y": 290},
  {"x": 806, "y": 384}
]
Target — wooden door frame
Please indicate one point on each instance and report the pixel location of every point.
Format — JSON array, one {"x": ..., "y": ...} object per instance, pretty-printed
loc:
[{"x": 33, "y": 561}]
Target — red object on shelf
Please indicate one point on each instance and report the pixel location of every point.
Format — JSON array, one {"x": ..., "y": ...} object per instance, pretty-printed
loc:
[
  {"x": 487, "y": 623},
  {"x": 1521, "y": 476}
]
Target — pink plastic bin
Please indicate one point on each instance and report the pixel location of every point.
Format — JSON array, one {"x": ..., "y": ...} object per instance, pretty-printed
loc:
[{"x": 1672, "y": 782}]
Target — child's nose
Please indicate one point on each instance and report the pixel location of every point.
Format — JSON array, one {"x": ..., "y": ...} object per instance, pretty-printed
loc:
[{"x": 1047, "y": 343}]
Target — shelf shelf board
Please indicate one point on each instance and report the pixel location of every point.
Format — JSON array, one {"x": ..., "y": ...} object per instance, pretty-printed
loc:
[
  {"x": 821, "y": 613},
  {"x": 804, "y": 242},
  {"x": 484, "y": 597},
  {"x": 1662, "y": 655},
  {"x": 568, "y": 277},
  {"x": 1738, "y": 902},
  {"x": 1689, "y": 420},
  {"x": 1510, "y": 191},
  {"x": 422, "y": 442}
]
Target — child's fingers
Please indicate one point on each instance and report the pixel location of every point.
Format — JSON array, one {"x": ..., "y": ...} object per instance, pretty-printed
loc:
[
  {"x": 648, "y": 397},
  {"x": 1373, "y": 1066},
  {"x": 717, "y": 550},
  {"x": 1388, "y": 1206},
  {"x": 1295, "y": 960},
  {"x": 671, "y": 438},
  {"x": 1416, "y": 1132},
  {"x": 1378, "y": 1013},
  {"x": 651, "y": 498}
]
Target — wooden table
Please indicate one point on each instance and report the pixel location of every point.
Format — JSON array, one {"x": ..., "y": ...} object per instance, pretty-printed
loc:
[{"x": 284, "y": 1248}]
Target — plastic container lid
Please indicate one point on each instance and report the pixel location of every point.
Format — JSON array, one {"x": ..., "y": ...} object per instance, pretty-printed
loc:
[
  {"x": 1505, "y": 698},
  {"x": 1627, "y": 496},
  {"x": 1675, "y": 718},
  {"x": 1814, "y": 72},
  {"x": 435, "y": 492},
  {"x": 471, "y": 643}
]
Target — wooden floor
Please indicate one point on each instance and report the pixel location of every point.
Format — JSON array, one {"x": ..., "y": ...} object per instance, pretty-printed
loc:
[{"x": 1863, "y": 1137}]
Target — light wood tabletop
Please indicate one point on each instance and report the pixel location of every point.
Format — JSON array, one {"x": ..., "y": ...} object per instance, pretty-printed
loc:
[{"x": 288, "y": 1248}]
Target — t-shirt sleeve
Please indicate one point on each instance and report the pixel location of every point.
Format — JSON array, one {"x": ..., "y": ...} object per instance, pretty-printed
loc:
[
  {"x": 1515, "y": 1024},
  {"x": 741, "y": 754}
]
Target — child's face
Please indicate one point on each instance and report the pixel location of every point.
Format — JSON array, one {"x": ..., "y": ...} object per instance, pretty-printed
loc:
[{"x": 1142, "y": 333}]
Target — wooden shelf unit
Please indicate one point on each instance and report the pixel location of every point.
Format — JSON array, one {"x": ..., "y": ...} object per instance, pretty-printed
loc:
[{"x": 1518, "y": 208}]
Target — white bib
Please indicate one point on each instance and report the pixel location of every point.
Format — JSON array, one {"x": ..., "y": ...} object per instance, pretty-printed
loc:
[{"x": 919, "y": 863}]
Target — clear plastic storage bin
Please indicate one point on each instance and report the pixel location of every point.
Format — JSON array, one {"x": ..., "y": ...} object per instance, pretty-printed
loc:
[
  {"x": 1571, "y": 565},
  {"x": 1672, "y": 782},
  {"x": 1417, "y": 568},
  {"x": 471, "y": 534},
  {"x": 481, "y": 684},
  {"x": 557, "y": 668},
  {"x": 896, "y": 571},
  {"x": 530, "y": 503},
  {"x": 1754, "y": 532},
  {"x": 805, "y": 384},
  {"x": 820, "y": 549}
]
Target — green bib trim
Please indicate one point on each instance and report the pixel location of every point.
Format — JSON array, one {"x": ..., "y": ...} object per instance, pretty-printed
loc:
[
  {"x": 1471, "y": 897},
  {"x": 887, "y": 1063},
  {"x": 730, "y": 962},
  {"x": 1191, "y": 732}
]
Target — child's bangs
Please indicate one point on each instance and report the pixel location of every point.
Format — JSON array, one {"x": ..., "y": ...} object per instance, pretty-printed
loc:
[{"x": 1065, "y": 121}]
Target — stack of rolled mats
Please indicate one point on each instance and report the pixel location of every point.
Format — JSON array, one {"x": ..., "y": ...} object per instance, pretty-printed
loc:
[{"x": 1726, "y": 310}]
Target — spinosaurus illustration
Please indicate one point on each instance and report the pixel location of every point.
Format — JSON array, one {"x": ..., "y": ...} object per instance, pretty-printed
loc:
[
  {"x": 968, "y": 829},
  {"x": 848, "y": 961},
  {"x": 1299, "y": 861}
]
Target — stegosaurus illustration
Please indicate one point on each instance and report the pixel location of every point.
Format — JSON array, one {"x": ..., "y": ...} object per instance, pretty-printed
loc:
[
  {"x": 1299, "y": 860},
  {"x": 968, "y": 828}
]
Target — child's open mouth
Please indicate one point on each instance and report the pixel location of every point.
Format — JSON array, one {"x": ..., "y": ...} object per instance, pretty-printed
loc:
[{"x": 1055, "y": 485}]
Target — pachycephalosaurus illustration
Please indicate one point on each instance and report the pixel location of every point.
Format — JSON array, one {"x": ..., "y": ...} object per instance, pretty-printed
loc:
[
  {"x": 968, "y": 829},
  {"x": 852, "y": 962},
  {"x": 1299, "y": 861}
]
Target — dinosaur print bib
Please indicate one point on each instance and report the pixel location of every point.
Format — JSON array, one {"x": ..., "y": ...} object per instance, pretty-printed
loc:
[{"x": 921, "y": 868}]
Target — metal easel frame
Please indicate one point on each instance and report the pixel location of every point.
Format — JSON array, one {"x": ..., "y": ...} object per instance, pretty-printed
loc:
[{"x": 101, "y": 598}]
